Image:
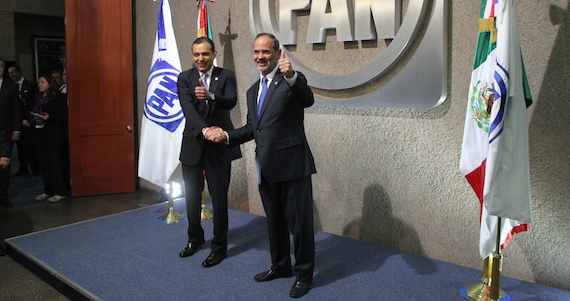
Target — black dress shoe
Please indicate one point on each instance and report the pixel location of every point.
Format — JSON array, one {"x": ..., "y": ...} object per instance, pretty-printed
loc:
[
  {"x": 190, "y": 249},
  {"x": 213, "y": 259},
  {"x": 272, "y": 274},
  {"x": 300, "y": 288}
]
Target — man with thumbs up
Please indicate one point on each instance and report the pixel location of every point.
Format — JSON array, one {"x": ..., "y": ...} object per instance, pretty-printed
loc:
[{"x": 284, "y": 162}]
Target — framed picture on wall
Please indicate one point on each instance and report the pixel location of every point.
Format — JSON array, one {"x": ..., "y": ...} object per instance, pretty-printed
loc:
[{"x": 49, "y": 54}]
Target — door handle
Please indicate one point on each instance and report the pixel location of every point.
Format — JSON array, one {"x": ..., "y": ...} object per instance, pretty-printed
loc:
[{"x": 129, "y": 128}]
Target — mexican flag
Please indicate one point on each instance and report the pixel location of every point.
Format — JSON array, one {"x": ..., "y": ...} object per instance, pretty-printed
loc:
[
  {"x": 203, "y": 28},
  {"x": 494, "y": 155},
  {"x": 203, "y": 24}
]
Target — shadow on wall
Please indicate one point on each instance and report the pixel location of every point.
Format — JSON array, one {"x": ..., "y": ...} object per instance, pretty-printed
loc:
[
  {"x": 226, "y": 39},
  {"x": 239, "y": 197},
  {"x": 378, "y": 223},
  {"x": 547, "y": 246}
]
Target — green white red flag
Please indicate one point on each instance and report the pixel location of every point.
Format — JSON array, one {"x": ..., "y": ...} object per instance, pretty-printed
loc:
[{"x": 494, "y": 155}]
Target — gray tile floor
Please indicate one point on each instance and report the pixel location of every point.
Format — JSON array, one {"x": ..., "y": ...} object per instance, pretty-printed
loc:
[{"x": 18, "y": 283}]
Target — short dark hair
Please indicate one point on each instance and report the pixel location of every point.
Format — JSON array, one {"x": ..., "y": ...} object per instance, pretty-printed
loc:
[
  {"x": 274, "y": 40},
  {"x": 52, "y": 84},
  {"x": 16, "y": 67},
  {"x": 201, "y": 40}
]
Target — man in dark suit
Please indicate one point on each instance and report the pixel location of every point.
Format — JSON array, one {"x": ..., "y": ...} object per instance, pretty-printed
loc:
[
  {"x": 275, "y": 106},
  {"x": 26, "y": 91},
  {"x": 9, "y": 129},
  {"x": 207, "y": 94}
]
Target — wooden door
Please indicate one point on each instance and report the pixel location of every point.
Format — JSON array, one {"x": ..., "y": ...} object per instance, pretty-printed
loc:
[{"x": 101, "y": 103}]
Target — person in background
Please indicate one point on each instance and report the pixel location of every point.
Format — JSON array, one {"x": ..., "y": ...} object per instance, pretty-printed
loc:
[
  {"x": 62, "y": 92},
  {"x": 26, "y": 154},
  {"x": 56, "y": 79},
  {"x": 10, "y": 123},
  {"x": 49, "y": 113},
  {"x": 63, "y": 87}
]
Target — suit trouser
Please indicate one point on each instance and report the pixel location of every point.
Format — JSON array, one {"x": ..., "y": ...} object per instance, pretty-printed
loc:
[
  {"x": 26, "y": 152},
  {"x": 50, "y": 151},
  {"x": 289, "y": 209},
  {"x": 217, "y": 172},
  {"x": 5, "y": 185}
]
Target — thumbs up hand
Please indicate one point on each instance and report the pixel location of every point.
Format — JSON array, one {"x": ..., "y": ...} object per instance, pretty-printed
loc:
[
  {"x": 285, "y": 65},
  {"x": 200, "y": 91}
]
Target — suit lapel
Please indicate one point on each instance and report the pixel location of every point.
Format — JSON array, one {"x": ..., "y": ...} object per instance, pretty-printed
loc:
[
  {"x": 214, "y": 79},
  {"x": 3, "y": 88},
  {"x": 252, "y": 101},
  {"x": 272, "y": 86},
  {"x": 193, "y": 78}
]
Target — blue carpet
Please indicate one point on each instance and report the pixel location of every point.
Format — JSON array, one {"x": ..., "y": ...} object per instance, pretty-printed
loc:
[{"x": 134, "y": 256}]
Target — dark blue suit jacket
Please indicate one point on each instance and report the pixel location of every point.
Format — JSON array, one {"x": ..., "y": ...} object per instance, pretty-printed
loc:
[
  {"x": 10, "y": 115},
  {"x": 223, "y": 85},
  {"x": 282, "y": 150}
]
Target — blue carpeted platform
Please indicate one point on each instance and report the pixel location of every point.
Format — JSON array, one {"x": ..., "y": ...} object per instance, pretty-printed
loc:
[{"x": 134, "y": 256}]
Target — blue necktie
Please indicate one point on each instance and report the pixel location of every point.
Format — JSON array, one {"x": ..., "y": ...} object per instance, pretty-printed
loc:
[{"x": 262, "y": 96}]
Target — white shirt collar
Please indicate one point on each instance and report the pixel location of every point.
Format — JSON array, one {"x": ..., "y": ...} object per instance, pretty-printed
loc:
[
  {"x": 209, "y": 72},
  {"x": 269, "y": 76}
]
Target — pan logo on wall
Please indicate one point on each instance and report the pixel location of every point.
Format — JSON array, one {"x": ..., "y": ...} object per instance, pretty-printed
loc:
[{"x": 363, "y": 53}]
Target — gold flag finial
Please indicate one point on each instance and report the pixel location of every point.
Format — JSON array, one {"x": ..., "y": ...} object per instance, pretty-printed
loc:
[{"x": 489, "y": 25}]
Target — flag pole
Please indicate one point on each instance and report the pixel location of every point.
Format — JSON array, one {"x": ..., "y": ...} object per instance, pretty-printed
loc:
[
  {"x": 171, "y": 217},
  {"x": 205, "y": 213},
  {"x": 489, "y": 288},
  {"x": 495, "y": 292},
  {"x": 480, "y": 291}
]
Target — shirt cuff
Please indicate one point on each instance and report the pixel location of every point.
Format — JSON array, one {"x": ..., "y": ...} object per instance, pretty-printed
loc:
[
  {"x": 227, "y": 137},
  {"x": 291, "y": 81}
]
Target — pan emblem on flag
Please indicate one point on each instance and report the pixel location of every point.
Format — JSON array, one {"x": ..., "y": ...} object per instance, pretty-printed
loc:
[
  {"x": 162, "y": 105},
  {"x": 482, "y": 97}
]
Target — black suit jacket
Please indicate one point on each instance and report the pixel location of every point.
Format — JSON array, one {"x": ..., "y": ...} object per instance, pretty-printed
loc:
[
  {"x": 281, "y": 148},
  {"x": 56, "y": 107},
  {"x": 26, "y": 96},
  {"x": 10, "y": 118},
  {"x": 223, "y": 86}
]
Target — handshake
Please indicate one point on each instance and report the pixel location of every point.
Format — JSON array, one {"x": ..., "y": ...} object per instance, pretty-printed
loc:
[{"x": 214, "y": 134}]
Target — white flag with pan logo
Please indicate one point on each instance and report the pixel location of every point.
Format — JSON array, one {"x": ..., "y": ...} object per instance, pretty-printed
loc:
[
  {"x": 494, "y": 156},
  {"x": 161, "y": 132}
]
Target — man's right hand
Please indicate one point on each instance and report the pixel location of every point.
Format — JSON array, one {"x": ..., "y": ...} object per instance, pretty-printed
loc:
[
  {"x": 201, "y": 92},
  {"x": 215, "y": 134},
  {"x": 4, "y": 162}
]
